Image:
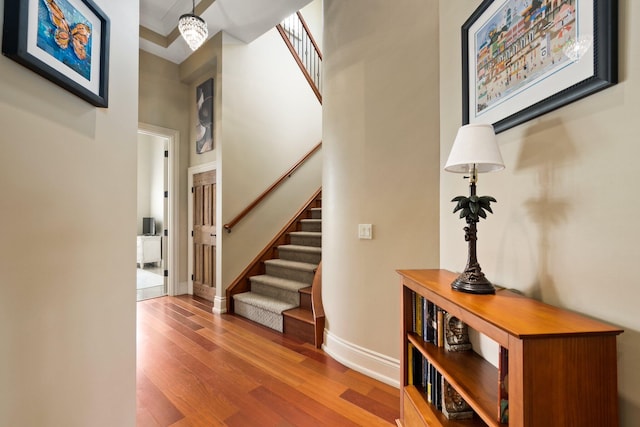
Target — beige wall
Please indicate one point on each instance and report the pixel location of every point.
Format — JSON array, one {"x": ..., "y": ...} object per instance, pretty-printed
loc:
[
  {"x": 563, "y": 229},
  {"x": 67, "y": 243},
  {"x": 164, "y": 102},
  {"x": 200, "y": 66},
  {"x": 270, "y": 118},
  {"x": 381, "y": 166}
]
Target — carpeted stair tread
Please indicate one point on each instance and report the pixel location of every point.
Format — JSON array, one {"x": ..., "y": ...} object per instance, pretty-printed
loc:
[
  {"x": 306, "y": 238},
  {"x": 307, "y": 233},
  {"x": 278, "y": 282},
  {"x": 293, "y": 265},
  {"x": 264, "y": 302},
  {"x": 311, "y": 225},
  {"x": 301, "y": 248}
]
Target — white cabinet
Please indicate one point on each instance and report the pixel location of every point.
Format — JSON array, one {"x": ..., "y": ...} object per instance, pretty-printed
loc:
[{"x": 149, "y": 250}]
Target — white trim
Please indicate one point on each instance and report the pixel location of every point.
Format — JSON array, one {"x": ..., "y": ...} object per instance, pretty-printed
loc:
[
  {"x": 183, "y": 288},
  {"x": 205, "y": 167},
  {"x": 173, "y": 137},
  {"x": 219, "y": 305},
  {"x": 365, "y": 361}
]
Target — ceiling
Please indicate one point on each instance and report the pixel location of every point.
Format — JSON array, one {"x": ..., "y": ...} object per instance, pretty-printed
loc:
[{"x": 244, "y": 20}]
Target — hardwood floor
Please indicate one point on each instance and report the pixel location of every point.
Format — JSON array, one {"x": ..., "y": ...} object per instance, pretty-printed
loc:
[{"x": 199, "y": 369}]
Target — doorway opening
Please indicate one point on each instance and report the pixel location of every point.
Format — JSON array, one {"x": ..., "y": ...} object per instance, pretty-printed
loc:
[{"x": 156, "y": 218}]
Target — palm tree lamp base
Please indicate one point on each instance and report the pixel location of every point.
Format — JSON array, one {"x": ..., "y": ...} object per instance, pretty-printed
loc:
[
  {"x": 473, "y": 208},
  {"x": 473, "y": 281}
]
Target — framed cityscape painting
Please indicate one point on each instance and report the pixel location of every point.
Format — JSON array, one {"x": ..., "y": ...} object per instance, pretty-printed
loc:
[
  {"x": 524, "y": 58},
  {"x": 65, "y": 41}
]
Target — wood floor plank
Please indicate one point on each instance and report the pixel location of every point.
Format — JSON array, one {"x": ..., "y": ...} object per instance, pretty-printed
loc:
[
  {"x": 369, "y": 404},
  {"x": 200, "y": 369},
  {"x": 153, "y": 407},
  {"x": 180, "y": 327},
  {"x": 387, "y": 396},
  {"x": 186, "y": 390}
]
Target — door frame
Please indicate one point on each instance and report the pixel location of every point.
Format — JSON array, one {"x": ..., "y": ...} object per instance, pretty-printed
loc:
[
  {"x": 173, "y": 137},
  {"x": 219, "y": 302}
]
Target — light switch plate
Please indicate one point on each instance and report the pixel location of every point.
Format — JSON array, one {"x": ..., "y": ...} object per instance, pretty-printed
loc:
[{"x": 365, "y": 231}]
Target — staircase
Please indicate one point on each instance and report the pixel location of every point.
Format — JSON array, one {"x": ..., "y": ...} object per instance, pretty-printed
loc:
[{"x": 281, "y": 298}]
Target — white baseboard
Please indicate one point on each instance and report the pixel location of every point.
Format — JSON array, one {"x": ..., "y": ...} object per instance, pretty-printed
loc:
[
  {"x": 367, "y": 362},
  {"x": 219, "y": 305}
]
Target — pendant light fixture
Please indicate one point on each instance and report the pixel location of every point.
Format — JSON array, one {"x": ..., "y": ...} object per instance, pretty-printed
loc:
[{"x": 193, "y": 28}]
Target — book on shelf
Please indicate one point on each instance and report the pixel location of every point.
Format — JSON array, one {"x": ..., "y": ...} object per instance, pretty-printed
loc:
[
  {"x": 431, "y": 323},
  {"x": 503, "y": 385},
  {"x": 414, "y": 296},
  {"x": 427, "y": 389},
  {"x": 425, "y": 319},
  {"x": 419, "y": 315},
  {"x": 440, "y": 327},
  {"x": 414, "y": 365},
  {"x": 437, "y": 395}
]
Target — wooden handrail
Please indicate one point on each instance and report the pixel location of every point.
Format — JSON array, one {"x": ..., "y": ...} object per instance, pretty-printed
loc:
[
  {"x": 273, "y": 186},
  {"x": 304, "y": 49},
  {"x": 306, "y": 28},
  {"x": 305, "y": 73}
]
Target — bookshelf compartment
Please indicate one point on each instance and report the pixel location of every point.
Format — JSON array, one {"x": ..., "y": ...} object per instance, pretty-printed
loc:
[
  {"x": 475, "y": 379},
  {"x": 418, "y": 412}
]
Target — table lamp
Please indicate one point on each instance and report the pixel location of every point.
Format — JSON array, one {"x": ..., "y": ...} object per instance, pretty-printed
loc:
[{"x": 475, "y": 150}]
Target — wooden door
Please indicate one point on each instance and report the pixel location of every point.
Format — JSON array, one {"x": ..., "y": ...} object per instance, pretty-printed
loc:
[{"x": 204, "y": 234}]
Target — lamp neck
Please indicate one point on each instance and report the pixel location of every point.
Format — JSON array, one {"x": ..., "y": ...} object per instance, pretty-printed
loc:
[{"x": 473, "y": 175}]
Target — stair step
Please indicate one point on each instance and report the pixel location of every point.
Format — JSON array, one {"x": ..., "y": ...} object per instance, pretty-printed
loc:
[
  {"x": 311, "y": 224},
  {"x": 291, "y": 270},
  {"x": 306, "y": 290},
  {"x": 305, "y": 298},
  {"x": 306, "y": 238},
  {"x": 277, "y": 287},
  {"x": 310, "y": 254},
  {"x": 316, "y": 213},
  {"x": 261, "y": 309},
  {"x": 299, "y": 323},
  {"x": 300, "y": 314}
]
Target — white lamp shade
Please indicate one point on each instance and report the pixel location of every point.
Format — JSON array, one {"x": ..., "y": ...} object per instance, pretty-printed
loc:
[{"x": 475, "y": 144}]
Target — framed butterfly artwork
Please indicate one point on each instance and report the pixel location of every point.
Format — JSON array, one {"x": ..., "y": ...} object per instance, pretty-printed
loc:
[{"x": 65, "y": 41}]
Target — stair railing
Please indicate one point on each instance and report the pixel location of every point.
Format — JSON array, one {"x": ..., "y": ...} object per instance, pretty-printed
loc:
[
  {"x": 305, "y": 51},
  {"x": 228, "y": 226}
]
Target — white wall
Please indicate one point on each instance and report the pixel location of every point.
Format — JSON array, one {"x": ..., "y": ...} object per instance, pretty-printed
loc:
[
  {"x": 67, "y": 243},
  {"x": 151, "y": 180},
  {"x": 381, "y": 166},
  {"x": 563, "y": 229}
]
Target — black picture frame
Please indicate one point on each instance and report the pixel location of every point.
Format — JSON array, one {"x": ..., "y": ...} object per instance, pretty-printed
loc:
[
  {"x": 491, "y": 69},
  {"x": 34, "y": 35}
]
